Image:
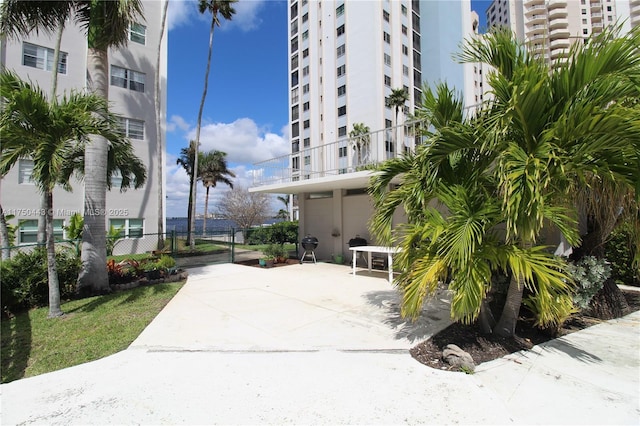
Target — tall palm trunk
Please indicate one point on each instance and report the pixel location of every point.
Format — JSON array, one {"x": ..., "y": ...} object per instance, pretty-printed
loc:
[
  {"x": 4, "y": 237},
  {"x": 159, "y": 141},
  {"x": 54, "y": 91},
  {"x": 506, "y": 326},
  {"x": 206, "y": 206},
  {"x": 194, "y": 183},
  {"x": 93, "y": 276},
  {"x": 52, "y": 272},
  {"x": 189, "y": 213}
]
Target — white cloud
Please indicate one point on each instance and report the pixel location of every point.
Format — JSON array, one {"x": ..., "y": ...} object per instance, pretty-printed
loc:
[
  {"x": 177, "y": 122},
  {"x": 180, "y": 12},
  {"x": 242, "y": 140},
  {"x": 244, "y": 144},
  {"x": 247, "y": 15}
]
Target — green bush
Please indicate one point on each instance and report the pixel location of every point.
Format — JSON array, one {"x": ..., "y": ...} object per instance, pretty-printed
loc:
[
  {"x": 620, "y": 252},
  {"x": 25, "y": 282},
  {"x": 589, "y": 274},
  {"x": 258, "y": 236},
  {"x": 278, "y": 233},
  {"x": 166, "y": 262}
]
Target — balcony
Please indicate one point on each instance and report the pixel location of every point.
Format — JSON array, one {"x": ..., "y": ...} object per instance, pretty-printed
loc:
[
  {"x": 559, "y": 33},
  {"x": 558, "y": 24},
  {"x": 540, "y": 18},
  {"x": 557, "y": 13},
  {"x": 534, "y": 29},
  {"x": 553, "y": 4},
  {"x": 348, "y": 159}
]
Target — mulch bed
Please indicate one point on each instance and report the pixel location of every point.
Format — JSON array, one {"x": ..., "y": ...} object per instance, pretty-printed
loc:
[
  {"x": 256, "y": 263},
  {"x": 483, "y": 348}
]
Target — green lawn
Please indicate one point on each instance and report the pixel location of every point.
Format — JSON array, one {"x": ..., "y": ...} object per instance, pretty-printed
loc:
[{"x": 91, "y": 329}]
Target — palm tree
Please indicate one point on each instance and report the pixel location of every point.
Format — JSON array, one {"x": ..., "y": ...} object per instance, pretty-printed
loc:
[
  {"x": 396, "y": 100},
  {"x": 106, "y": 24},
  {"x": 159, "y": 143},
  {"x": 283, "y": 213},
  {"x": 212, "y": 168},
  {"x": 360, "y": 139},
  {"x": 53, "y": 134},
  {"x": 464, "y": 245},
  {"x": 224, "y": 8},
  {"x": 186, "y": 160}
]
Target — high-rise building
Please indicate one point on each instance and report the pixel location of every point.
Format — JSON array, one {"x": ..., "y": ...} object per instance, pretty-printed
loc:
[
  {"x": 132, "y": 76},
  {"x": 346, "y": 57},
  {"x": 551, "y": 26}
]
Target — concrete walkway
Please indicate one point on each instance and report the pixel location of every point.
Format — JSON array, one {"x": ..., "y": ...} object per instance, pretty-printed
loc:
[{"x": 312, "y": 344}]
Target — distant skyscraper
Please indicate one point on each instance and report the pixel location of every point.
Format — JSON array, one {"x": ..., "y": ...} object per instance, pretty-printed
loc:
[{"x": 551, "y": 26}]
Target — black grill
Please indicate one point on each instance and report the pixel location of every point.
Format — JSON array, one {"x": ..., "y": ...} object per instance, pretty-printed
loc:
[
  {"x": 357, "y": 242},
  {"x": 309, "y": 244}
]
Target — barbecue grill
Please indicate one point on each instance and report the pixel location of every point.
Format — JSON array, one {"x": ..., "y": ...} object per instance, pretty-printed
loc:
[
  {"x": 309, "y": 244},
  {"x": 357, "y": 242}
]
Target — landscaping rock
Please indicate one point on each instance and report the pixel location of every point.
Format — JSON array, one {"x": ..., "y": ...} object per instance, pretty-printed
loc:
[{"x": 456, "y": 357}]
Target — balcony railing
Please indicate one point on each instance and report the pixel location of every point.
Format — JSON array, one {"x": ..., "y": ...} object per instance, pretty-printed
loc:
[{"x": 347, "y": 155}]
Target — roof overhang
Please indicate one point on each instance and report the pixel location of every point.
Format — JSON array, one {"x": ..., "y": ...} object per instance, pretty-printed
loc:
[{"x": 328, "y": 183}]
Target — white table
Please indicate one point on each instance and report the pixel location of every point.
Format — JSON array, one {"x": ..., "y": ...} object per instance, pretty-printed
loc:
[{"x": 375, "y": 249}]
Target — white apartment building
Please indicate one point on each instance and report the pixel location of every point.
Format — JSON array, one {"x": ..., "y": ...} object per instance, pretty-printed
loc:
[
  {"x": 551, "y": 26},
  {"x": 345, "y": 58},
  {"x": 131, "y": 94}
]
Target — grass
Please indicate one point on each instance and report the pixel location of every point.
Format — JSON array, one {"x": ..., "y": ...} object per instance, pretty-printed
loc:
[
  {"x": 91, "y": 329},
  {"x": 261, "y": 247}
]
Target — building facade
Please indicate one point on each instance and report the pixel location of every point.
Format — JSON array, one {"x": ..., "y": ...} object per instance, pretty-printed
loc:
[
  {"x": 551, "y": 26},
  {"x": 345, "y": 59},
  {"x": 131, "y": 94}
]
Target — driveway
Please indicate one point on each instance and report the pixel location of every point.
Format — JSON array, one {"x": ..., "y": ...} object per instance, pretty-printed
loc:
[{"x": 312, "y": 344}]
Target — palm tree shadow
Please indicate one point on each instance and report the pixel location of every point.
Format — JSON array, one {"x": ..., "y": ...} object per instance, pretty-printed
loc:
[
  {"x": 570, "y": 349},
  {"x": 16, "y": 347},
  {"x": 434, "y": 317}
]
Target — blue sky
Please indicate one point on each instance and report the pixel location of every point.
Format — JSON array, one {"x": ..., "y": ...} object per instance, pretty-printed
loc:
[{"x": 245, "y": 113}]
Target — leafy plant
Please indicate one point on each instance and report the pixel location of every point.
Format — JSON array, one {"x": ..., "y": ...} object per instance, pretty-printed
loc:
[
  {"x": 166, "y": 262},
  {"x": 620, "y": 253},
  {"x": 113, "y": 235},
  {"x": 589, "y": 273},
  {"x": 74, "y": 231},
  {"x": 25, "y": 280}
]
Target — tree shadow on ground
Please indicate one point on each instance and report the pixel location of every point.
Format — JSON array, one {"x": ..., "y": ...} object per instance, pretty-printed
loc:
[
  {"x": 16, "y": 346},
  {"x": 560, "y": 345},
  {"x": 434, "y": 317}
]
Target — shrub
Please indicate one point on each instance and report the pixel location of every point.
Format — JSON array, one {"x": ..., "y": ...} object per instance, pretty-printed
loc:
[
  {"x": 166, "y": 262},
  {"x": 620, "y": 252},
  {"x": 589, "y": 274},
  {"x": 25, "y": 282},
  {"x": 256, "y": 236}
]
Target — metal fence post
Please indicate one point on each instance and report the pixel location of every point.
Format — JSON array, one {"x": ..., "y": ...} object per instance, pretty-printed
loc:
[
  {"x": 233, "y": 245},
  {"x": 174, "y": 243}
]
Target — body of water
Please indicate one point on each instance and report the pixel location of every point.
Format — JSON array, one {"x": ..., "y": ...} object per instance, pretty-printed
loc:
[{"x": 179, "y": 224}]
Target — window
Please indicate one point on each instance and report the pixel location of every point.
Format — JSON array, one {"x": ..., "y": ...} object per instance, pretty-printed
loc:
[
  {"x": 385, "y": 15},
  {"x": 294, "y": 61},
  {"x": 42, "y": 58},
  {"x": 305, "y": 53},
  {"x": 305, "y": 71},
  {"x": 128, "y": 79},
  {"x": 584, "y": 21},
  {"x": 294, "y": 10},
  {"x": 295, "y": 130},
  {"x": 585, "y": 31},
  {"x": 584, "y": 11},
  {"x": 342, "y": 110},
  {"x": 294, "y": 27},
  {"x": 341, "y": 70},
  {"x": 386, "y": 37},
  {"x": 405, "y": 50},
  {"x": 404, "y": 30},
  {"x": 138, "y": 33},
  {"x": 608, "y": 8},
  {"x": 295, "y": 146},
  {"x": 305, "y": 17},
  {"x": 131, "y": 128},
  {"x": 28, "y": 230},
  {"x": 129, "y": 228},
  {"x": 295, "y": 112},
  {"x": 387, "y": 59},
  {"x": 294, "y": 96},
  {"x": 307, "y": 160},
  {"x": 305, "y": 89},
  {"x": 307, "y": 142},
  {"x": 305, "y": 35},
  {"x": 294, "y": 78},
  {"x": 342, "y": 131},
  {"x": 340, "y": 10},
  {"x": 404, "y": 10},
  {"x": 294, "y": 45},
  {"x": 342, "y": 151},
  {"x": 340, "y": 30},
  {"x": 305, "y": 106},
  {"x": 306, "y": 124},
  {"x": 387, "y": 80},
  {"x": 340, "y": 50},
  {"x": 387, "y": 124},
  {"x": 405, "y": 70},
  {"x": 295, "y": 163},
  {"x": 342, "y": 90},
  {"x": 25, "y": 170}
]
